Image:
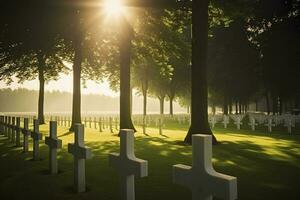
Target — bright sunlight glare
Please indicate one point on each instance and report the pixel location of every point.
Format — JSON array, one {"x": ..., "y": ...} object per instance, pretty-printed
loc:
[{"x": 113, "y": 7}]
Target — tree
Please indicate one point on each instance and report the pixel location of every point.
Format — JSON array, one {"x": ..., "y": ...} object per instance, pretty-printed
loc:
[
  {"x": 30, "y": 49},
  {"x": 199, "y": 115}
]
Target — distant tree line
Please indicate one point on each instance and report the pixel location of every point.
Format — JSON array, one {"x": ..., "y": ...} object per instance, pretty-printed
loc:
[{"x": 24, "y": 100}]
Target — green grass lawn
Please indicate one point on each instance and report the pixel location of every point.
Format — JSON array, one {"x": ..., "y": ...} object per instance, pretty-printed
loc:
[{"x": 267, "y": 166}]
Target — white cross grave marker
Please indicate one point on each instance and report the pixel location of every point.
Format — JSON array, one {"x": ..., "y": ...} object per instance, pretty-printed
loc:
[
  {"x": 201, "y": 178},
  {"x": 213, "y": 121},
  {"x": 1, "y": 125},
  {"x": 9, "y": 128},
  {"x": 26, "y": 133},
  {"x": 4, "y": 125},
  {"x": 53, "y": 144},
  {"x": 80, "y": 154},
  {"x": 18, "y": 129},
  {"x": 13, "y": 129},
  {"x": 127, "y": 164},
  {"x": 225, "y": 121},
  {"x": 238, "y": 122},
  {"x": 269, "y": 124},
  {"x": 36, "y": 136},
  {"x": 289, "y": 124},
  {"x": 253, "y": 123}
]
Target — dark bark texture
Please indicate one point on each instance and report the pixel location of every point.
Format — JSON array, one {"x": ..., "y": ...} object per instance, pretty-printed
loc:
[{"x": 199, "y": 115}]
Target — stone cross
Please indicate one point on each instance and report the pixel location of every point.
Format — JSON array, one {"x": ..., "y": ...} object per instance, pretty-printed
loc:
[
  {"x": 4, "y": 125},
  {"x": 289, "y": 124},
  {"x": 9, "y": 128},
  {"x": 36, "y": 136},
  {"x": 269, "y": 124},
  {"x": 80, "y": 154},
  {"x": 127, "y": 164},
  {"x": 213, "y": 121},
  {"x": 13, "y": 129},
  {"x": 201, "y": 178},
  {"x": 1, "y": 125},
  {"x": 253, "y": 123},
  {"x": 53, "y": 144},
  {"x": 18, "y": 130},
  {"x": 225, "y": 121},
  {"x": 238, "y": 122},
  {"x": 26, "y": 133}
]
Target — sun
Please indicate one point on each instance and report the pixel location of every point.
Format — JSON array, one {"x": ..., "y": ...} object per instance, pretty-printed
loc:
[{"x": 113, "y": 7}]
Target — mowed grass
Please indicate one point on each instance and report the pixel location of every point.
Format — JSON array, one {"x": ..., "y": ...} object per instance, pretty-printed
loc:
[{"x": 267, "y": 166}]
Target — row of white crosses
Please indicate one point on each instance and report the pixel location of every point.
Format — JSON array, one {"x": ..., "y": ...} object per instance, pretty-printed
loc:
[
  {"x": 288, "y": 121},
  {"x": 10, "y": 127},
  {"x": 78, "y": 150},
  {"x": 201, "y": 178},
  {"x": 102, "y": 122}
]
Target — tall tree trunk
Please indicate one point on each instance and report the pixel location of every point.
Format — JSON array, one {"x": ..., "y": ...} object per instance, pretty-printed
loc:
[
  {"x": 280, "y": 105},
  {"x": 240, "y": 107},
  {"x": 41, "y": 117},
  {"x": 145, "y": 102},
  {"x": 171, "y": 105},
  {"x": 230, "y": 106},
  {"x": 236, "y": 107},
  {"x": 225, "y": 106},
  {"x": 125, "y": 55},
  {"x": 131, "y": 100},
  {"x": 256, "y": 105},
  {"x": 76, "y": 105},
  {"x": 267, "y": 102},
  {"x": 161, "y": 105},
  {"x": 275, "y": 104},
  {"x": 199, "y": 113},
  {"x": 188, "y": 109}
]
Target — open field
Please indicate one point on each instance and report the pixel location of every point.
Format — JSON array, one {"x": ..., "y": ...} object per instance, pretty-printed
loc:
[{"x": 267, "y": 166}]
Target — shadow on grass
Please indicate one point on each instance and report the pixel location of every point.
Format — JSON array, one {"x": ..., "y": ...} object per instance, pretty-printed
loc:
[{"x": 261, "y": 174}]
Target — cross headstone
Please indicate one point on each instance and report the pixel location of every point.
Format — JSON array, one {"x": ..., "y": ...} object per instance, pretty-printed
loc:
[
  {"x": 26, "y": 133},
  {"x": 18, "y": 130},
  {"x": 225, "y": 121},
  {"x": 238, "y": 122},
  {"x": 270, "y": 124},
  {"x": 201, "y": 178},
  {"x": 9, "y": 128},
  {"x": 36, "y": 136},
  {"x": 213, "y": 121},
  {"x": 289, "y": 124},
  {"x": 252, "y": 123},
  {"x": 80, "y": 154},
  {"x": 13, "y": 129},
  {"x": 2, "y": 125},
  {"x": 127, "y": 164},
  {"x": 53, "y": 144}
]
